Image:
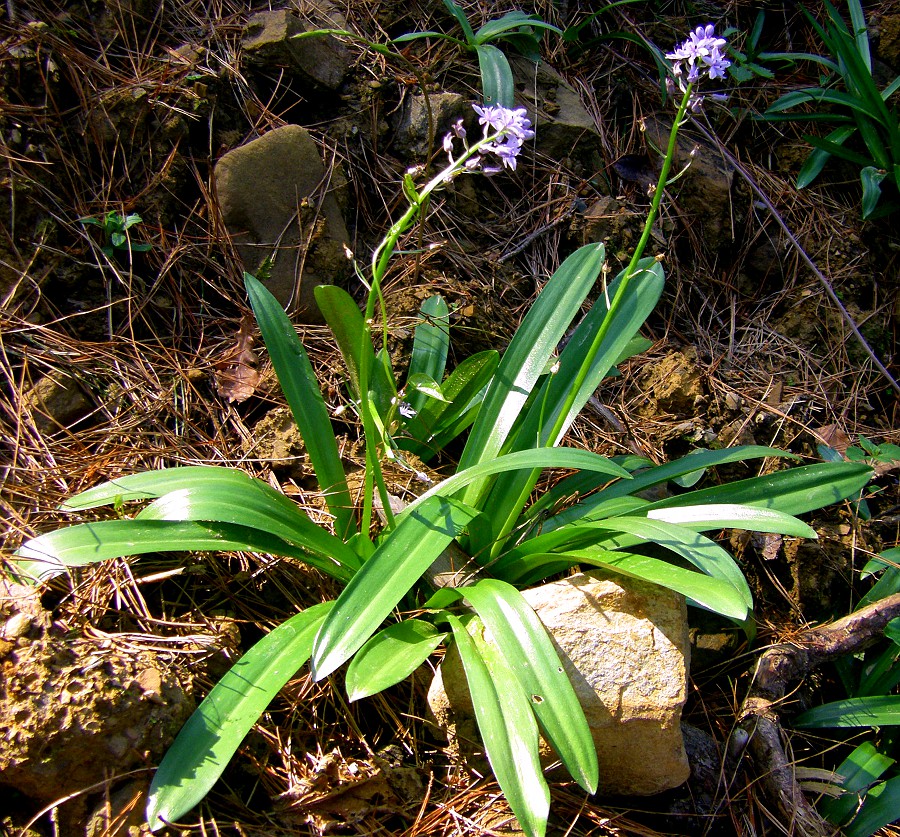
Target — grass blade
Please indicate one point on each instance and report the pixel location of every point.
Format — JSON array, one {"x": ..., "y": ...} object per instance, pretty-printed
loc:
[
  {"x": 214, "y": 732},
  {"x": 507, "y": 726},
  {"x": 301, "y": 389},
  {"x": 385, "y": 578},
  {"x": 528, "y": 651}
]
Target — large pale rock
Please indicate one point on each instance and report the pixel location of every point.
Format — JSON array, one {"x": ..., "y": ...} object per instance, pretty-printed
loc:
[
  {"x": 624, "y": 645},
  {"x": 275, "y": 203}
]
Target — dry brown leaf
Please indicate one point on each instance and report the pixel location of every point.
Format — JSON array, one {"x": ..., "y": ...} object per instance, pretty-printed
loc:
[{"x": 237, "y": 374}]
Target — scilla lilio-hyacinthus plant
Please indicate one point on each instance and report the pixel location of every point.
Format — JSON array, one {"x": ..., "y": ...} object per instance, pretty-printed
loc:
[{"x": 458, "y": 554}]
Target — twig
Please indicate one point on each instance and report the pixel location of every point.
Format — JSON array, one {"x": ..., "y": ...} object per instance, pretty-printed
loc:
[
  {"x": 777, "y": 668},
  {"x": 803, "y": 254}
]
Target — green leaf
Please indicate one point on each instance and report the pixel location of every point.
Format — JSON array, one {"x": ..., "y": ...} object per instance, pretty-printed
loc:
[
  {"x": 590, "y": 508},
  {"x": 526, "y": 357},
  {"x": 461, "y": 19},
  {"x": 511, "y": 491},
  {"x": 540, "y": 458},
  {"x": 438, "y": 422},
  {"x": 89, "y": 543},
  {"x": 715, "y": 594},
  {"x": 391, "y": 656},
  {"x": 872, "y": 711},
  {"x": 701, "y": 518},
  {"x": 256, "y": 506},
  {"x": 214, "y": 732},
  {"x": 816, "y": 161},
  {"x": 625, "y": 532},
  {"x": 400, "y": 560},
  {"x": 794, "y": 491},
  {"x": 152, "y": 484},
  {"x": 511, "y": 22},
  {"x": 431, "y": 344},
  {"x": 879, "y": 809},
  {"x": 507, "y": 726},
  {"x": 301, "y": 389},
  {"x": 529, "y": 652},
  {"x": 871, "y": 178},
  {"x": 860, "y": 770},
  {"x": 496, "y": 76}
]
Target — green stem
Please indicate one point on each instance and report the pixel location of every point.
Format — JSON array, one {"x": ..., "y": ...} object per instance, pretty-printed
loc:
[
  {"x": 380, "y": 261},
  {"x": 550, "y": 440}
]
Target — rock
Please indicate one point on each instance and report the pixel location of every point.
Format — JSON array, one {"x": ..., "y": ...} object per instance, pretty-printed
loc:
[
  {"x": 322, "y": 61},
  {"x": 75, "y": 712},
  {"x": 412, "y": 127},
  {"x": 674, "y": 385},
  {"x": 122, "y": 814},
  {"x": 563, "y": 127},
  {"x": 618, "y": 227},
  {"x": 56, "y": 401},
  {"x": 276, "y": 440},
  {"x": 274, "y": 198},
  {"x": 704, "y": 193},
  {"x": 625, "y": 647}
]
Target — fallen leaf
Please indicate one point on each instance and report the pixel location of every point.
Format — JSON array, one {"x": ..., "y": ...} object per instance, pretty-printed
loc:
[{"x": 237, "y": 375}]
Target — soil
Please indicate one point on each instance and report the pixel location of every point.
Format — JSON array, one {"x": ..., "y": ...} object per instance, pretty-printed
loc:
[{"x": 121, "y": 360}]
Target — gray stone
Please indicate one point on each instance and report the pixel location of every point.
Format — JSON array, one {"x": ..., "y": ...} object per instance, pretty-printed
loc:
[
  {"x": 412, "y": 127},
  {"x": 274, "y": 198},
  {"x": 625, "y": 647},
  {"x": 704, "y": 193},
  {"x": 563, "y": 127},
  {"x": 321, "y": 60}
]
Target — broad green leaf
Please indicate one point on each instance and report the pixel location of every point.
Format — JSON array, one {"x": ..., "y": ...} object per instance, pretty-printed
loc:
[
  {"x": 540, "y": 458},
  {"x": 255, "y": 506},
  {"x": 889, "y": 583},
  {"x": 871, "y": 188},
  {"x": 625, "y": 532},
  {"x": 401, "y": 559},
  {"x": 715, "y": 594},
  {"x": 461, "y": 19},
  {"x": 496, "y": 76},
  {"x": 391, "y": 656},
  {"x": 88, "y": 543},
  {"x": 511, "y": 492},
  {"x": 873, "y": 711},
  {"x": 507, "y": 726},
  {"x": 524, "y": 360},
  {"x": 794, "y": 491},
  {"x": 734, "y": 516},
  {"x": 528, "y": 651},
  {"x": 817, "y": 159},
  {"x": 214, "y": 732},
  {"x": 347, "y": 324},
  {"x": 510, "y": 22},
  {"x": 151, "y": 484},
  {"x": 431, "y": 344},
  {"x": 301, "y": 389},
  {"x": 879, "y": 809},
  {"x": 642, "y": 479},
  {"x": 435, "y": 424},
  {"x": 860, "y": 770}
]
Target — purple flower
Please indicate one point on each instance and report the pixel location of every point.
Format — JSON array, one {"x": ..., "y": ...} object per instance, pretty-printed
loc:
[{"x": 702, "y": 51}]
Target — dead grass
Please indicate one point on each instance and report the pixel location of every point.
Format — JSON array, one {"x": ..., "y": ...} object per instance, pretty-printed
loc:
[{"x": 143, "y": 340}]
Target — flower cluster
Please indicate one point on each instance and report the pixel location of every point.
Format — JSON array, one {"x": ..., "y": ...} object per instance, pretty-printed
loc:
[
  {"x": 505, "y": 131},
  {"x": 702, "y": 51}
]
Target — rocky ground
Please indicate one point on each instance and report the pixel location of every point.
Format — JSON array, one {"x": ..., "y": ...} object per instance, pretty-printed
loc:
[{"x": 233, "y": 141}]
